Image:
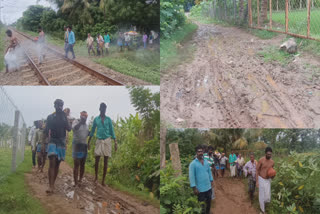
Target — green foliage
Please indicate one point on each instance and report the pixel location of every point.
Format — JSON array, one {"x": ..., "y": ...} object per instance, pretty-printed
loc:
[
  {"x": 171, "y": 16},
  {"x": 295, "y": 189},
  {"x": 273, "y": 53},
  {"x": 263, "y": 34},
  {"x": 175, "y": 193},
  {"x": 14, "y": 195},
  {"x": 170, "y": 52}
]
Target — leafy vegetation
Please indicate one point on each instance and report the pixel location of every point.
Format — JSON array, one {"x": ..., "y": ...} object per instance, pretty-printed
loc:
[
  {"x": 135, "y": 167},
  {"x": 14, "y": 197},
  {"x": 272, "y": 53},
  {"x": 294, "y": 189},
  {"x": 296, "y": 153},
  {"x": 171, "y": 51}
]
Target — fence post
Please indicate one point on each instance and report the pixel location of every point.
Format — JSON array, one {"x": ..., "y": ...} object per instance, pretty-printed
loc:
[
  {"x": 287, "y": 14},
  {"x": 308, "y": 26},
  {"x": 24, "y": 132},
  {"x": 15, "y": 141},
  {"x": 175, "y": 156},
  {"x": 163, "y": 135},
  {"x": 258, "y": 15},
  {"x": 250, "y": 12},
  {"x": 270, "y": 8}
]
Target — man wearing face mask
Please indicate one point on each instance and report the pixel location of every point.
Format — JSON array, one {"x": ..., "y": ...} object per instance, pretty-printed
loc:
[
  {"x": 103, "y": 147},
  {"x": 201, "y": 180},
  {"x": 79, "y": 146},
  {"x": 56, "y": 127},
  {"x": 263, "y": 181}
]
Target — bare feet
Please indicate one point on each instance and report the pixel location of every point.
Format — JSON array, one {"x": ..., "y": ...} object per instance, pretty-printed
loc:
[
  {"x": 49, "y": 191},
  {"x": 103, "y": 184}
]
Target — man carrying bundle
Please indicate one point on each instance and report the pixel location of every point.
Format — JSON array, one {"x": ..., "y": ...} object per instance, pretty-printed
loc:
[{"x": 264, "y": 174}]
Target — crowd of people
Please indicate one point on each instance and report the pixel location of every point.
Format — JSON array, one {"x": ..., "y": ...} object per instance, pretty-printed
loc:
[
  {"x": 209, "y": 164},
  {"x": 49, "y": 139}
]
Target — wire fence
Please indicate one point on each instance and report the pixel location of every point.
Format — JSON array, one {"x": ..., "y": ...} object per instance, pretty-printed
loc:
[
  {"x": 299, "y": 18},
  {"x": 12, "y": 135}
]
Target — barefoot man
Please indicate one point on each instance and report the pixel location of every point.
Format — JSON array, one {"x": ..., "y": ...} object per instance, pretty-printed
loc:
[
  {"x": 79, "y": 146},
  {"x": 57, "y": 125},
  {"x": 105, "y": 133},
  {"x": 263, "y": 181},
  {"x": 250, "y": 171}
]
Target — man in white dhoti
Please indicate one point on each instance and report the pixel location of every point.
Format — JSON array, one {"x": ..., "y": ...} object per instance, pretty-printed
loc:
[
  {"x": 232, "y": 161},
  {"x": 263, "y": 180}
]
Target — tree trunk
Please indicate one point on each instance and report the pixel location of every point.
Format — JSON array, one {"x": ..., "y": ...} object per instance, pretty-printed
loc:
[
  {"x": 300, "y": 4},
  {"x": 225, "y": 9},
  {"x": 241, "y": 11},
  {"x": 264, "y": 11},
  {"x": 234, "y": 9},
  {"x": 163, "y": 134},
  {"x": 214, "y": 8},
  {"x": 175, "y": 157},
  {"x": 277, "y": 5}
]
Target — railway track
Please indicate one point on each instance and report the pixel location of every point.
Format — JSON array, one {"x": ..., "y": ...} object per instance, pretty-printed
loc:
[{"x": 55, "y": 68}]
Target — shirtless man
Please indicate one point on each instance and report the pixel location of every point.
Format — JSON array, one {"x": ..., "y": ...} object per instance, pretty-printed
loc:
[
  {"x": 263, "y": 182},
  {"x": 9, "y": 56}
]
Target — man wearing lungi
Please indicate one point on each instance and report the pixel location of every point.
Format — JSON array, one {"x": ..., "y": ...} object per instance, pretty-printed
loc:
[
  {"x": 250, "y": 170},
  {"x": 79, "y": 146},
  {"x": 56, "y": 127},
  {"x": 103, "y": 147},
  {"x": 263, "y": 181}
]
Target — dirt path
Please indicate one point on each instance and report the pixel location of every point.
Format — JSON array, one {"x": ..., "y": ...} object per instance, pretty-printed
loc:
[
  {"x": 89, "y": 199},
  {"x": 227, "y": 85},
  {"x": 231, "y": 197}
]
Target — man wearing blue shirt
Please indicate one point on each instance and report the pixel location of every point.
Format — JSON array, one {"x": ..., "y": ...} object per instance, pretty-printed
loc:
[
  {"x": 71, "y": 42},
  {"x": 232, "y": 159},
  {"x": 201, "y": 180}
]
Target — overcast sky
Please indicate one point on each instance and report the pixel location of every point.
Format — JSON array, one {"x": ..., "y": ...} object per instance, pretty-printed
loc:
[
  {"x": 36, "y": 102},
  {"x": 12, "y": 9}
]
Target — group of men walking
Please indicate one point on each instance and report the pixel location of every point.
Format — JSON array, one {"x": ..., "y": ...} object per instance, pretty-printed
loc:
[
  {"x": 207, "y": 165},
  {"x": 48, "y": 139}
]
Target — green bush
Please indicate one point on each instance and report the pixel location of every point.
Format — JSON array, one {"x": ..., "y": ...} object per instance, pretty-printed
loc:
[
  {"x": 295, "y": 188},
  {"x": 176, "y": 196}
]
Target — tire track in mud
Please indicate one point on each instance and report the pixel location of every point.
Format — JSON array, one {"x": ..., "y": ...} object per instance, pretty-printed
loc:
[
  {"x": 89, "y": 198},
  {"x": 228, "y": 86}
]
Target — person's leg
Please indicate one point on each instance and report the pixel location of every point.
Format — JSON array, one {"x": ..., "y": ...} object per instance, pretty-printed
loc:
[
  {"x": 208, "y": 201},
  {"x": 67, "y": 50},
  {"x": 72, "y": 51},
  {"x": 44, "y": 158},
  {"x": 202, "y": 198},
  {"x": 76, "y": 170},
  {"x": 93, "y": 50},
  {"x": 96, "y": 168},
  {"x": 39, "y": 160},
  {"x": 33, "y": 158},
  {"x": 261, "y": 195},
  {"x": 102, "y": 50},
  {"x": 51, "y": 170},
  {"x": 105, "y": 168},
  {"x": 56, "y": 170},
  {"x": 82, "y": 166}
]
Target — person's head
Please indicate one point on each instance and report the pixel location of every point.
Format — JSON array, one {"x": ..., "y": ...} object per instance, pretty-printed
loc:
[
  {"x": 39, "y": 29},
  {"x": 106, "y": 32},
  {"x": 40, "y": 124},
  {"x": 35, "y": 123},
  {"x": 223, "y": 154},
  {"x": 89, "y": 35},
  {"x": 268, "y": 152},
  {"x": 58, "y": 105},
  {"x": 65, "y": 28},
  {"x": 199, "y": 151},
  {"x": 69, "y": 28},
  {"x": 239, "y": 156},
  {"x": 67, "y": 111},
  {"x": 210, "y": 150},
  {"x": 251, "y": 157},
  {"x": 9, "y": 33},
  {"x": 205, "y": 148},
  {"x": 103, "y": 109},
  {"x": 232, "y": 152},
  {"x": 83, "y": 116}
]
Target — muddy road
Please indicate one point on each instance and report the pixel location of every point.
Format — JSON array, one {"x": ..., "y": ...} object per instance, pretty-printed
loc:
[
  {"x": 227, "y": 85},
  {"x": 90, "y": 198},
  {"x": 231, "y": 197}
]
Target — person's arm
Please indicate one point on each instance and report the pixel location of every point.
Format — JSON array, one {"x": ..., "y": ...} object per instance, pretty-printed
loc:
[
  {"x": 192, "y": 179},
  {"x": 245, "y": 169},
  {"x": 113, "y": 136},
  {"x": 258, "y": 172},
  {"x": 75, "y": 125},
  {"x": 210, "y": 176},
  {"x": 93, "y": 129},
  {"x": 67, "y": 125}
]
